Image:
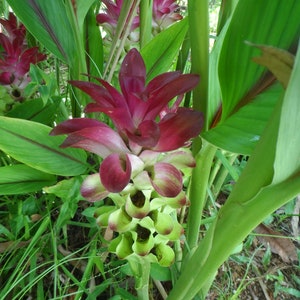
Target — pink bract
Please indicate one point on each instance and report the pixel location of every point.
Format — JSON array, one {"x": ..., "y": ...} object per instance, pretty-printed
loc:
[
  {"x": 15, "y": 56},
  {"x": 146, "y": 126}
]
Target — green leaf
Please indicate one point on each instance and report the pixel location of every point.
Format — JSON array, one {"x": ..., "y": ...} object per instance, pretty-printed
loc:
[
  {"x": 69, "y": 192},
  {"x": 36, "y": 110},
  {"x": 287, "y": 160},
  {"x": 66, "y": 189},
  {"x": 20, "y": 179},
  {"x": 29, "y": 142},
  {"x": 45, "y": 20},
  {"x": 280, "y": 29},
  {"x": 263, "y": 187},
  {"x": 94, "y": 45},
  {"x": 160, "y": 52},
  {"x": 226, "y": 9},
  {"x": 160, "y": 273},
  {"x": 82, "y": 7},
  {"x": 240, "y": 132},
  {"x": 244, "y": 97}
]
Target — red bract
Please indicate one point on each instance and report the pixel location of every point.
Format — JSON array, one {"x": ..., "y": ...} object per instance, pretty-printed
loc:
[
  {"x": 145, "y": 125},
  {"x": 164, "y": 13},
  {"x": 111, "y": 15},
  {"x": 136, "y": 110},
  {"x": 15, "y": 56}
]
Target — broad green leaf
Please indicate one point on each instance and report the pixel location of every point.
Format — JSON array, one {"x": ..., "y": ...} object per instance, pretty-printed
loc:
[
  {"x": 45, "y": 20},
  {"x": 29, "y": 142},
  {"x": 214, "y": 92},
  {"x": 82, "y": 7},
  {"x": 94, "y": 47},
  {"x": 240, "y": 126},
  {"x": 36, "y": 110},
  {"x": 240, "y": 132},
  {"x": 21, "y": 179},
  {"x": 226, "y": 9},
  {"x": 263, "y": 187},
  {"x": 269, "y": 22},
  {"x": 160, "y": 52},
  {"x": 287, "y": 161}
]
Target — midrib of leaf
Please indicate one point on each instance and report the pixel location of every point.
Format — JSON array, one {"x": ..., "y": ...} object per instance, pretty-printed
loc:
[
  {"x": 42, "y": 146},
  {"x": 47, "y": 26}
]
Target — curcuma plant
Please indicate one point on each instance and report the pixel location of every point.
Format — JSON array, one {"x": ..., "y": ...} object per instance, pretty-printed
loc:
[
  {"x": 143, "y": 158},
  {"x": 162, "y": 111},
  {"x": 15, "y": 61}
]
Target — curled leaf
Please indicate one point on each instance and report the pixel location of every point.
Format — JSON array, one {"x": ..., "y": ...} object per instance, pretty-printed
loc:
[{"x": 280, "y": 62}]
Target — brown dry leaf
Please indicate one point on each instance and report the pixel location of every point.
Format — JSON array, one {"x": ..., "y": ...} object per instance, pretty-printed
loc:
[
  {"x": 280, "y": 62},
  {"x": 278, "y": 243},
  {"x": 10, "y": 245}
]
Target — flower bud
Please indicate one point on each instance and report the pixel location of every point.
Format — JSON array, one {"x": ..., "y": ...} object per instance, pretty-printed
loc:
[
  {"x": 138, "y": 205},
  {"x": 92, "y": 189},
  {"x": 166, "y": 179},
  {"x": 177, "y": 202},
  {"x": 177, "y": 231},
  {"x": 124, "y": 248},
  {"x": 163, "y": 222},
  {"x": 102, "y": 215},
  {"x": 120, "y": 221},
  {"x": 143, "y": 241},
  {"x": 165, "y": 254}
]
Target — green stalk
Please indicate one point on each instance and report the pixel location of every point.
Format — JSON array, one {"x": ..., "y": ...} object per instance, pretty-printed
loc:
[
  {"x": 88, "y": 272},
  {"x": 140, "y": 268},
  {"x": 16, "y": 277},
  {"x": 198, "y": 192},
  {"x": 145, "y": 22},
  {"x": 236, "y": 220},
  {"x": 199, "y": 37},
  {"x": 78, "y": 63},
  {"x": 131, "y": 9},
  {"x": 247, "y": 206},
  {"x": 218, "y": 181}
]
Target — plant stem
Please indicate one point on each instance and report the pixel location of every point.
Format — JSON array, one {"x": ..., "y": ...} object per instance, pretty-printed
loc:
[
  {"x": 198, "y": 192},
  {"x": 140, "y": 268},
  {"x": 145, "y": 21},
  {"x": 199, "y": 37},
  {"x": 218, "y": 179}
]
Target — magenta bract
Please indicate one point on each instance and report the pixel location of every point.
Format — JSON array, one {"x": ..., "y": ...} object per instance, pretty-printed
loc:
[
  {"x": 15, "y": 56},
  {"x": 145, "y": 125},
  {"x": 136, "y": 110}
]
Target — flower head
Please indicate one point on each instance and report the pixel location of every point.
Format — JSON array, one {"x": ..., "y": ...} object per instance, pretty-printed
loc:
[
  {"x": 145, "y": 125},
  {"x": 109, "y": 18},
  {"x": 164, "y": 13},
  {"x": 15, "y": 57},
  {"x": 135, "y": 111},
  {"x": 144, "y": 156}
]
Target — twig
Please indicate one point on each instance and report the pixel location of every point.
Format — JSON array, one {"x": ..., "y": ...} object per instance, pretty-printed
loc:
[{"x": 160, "y": 288}]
